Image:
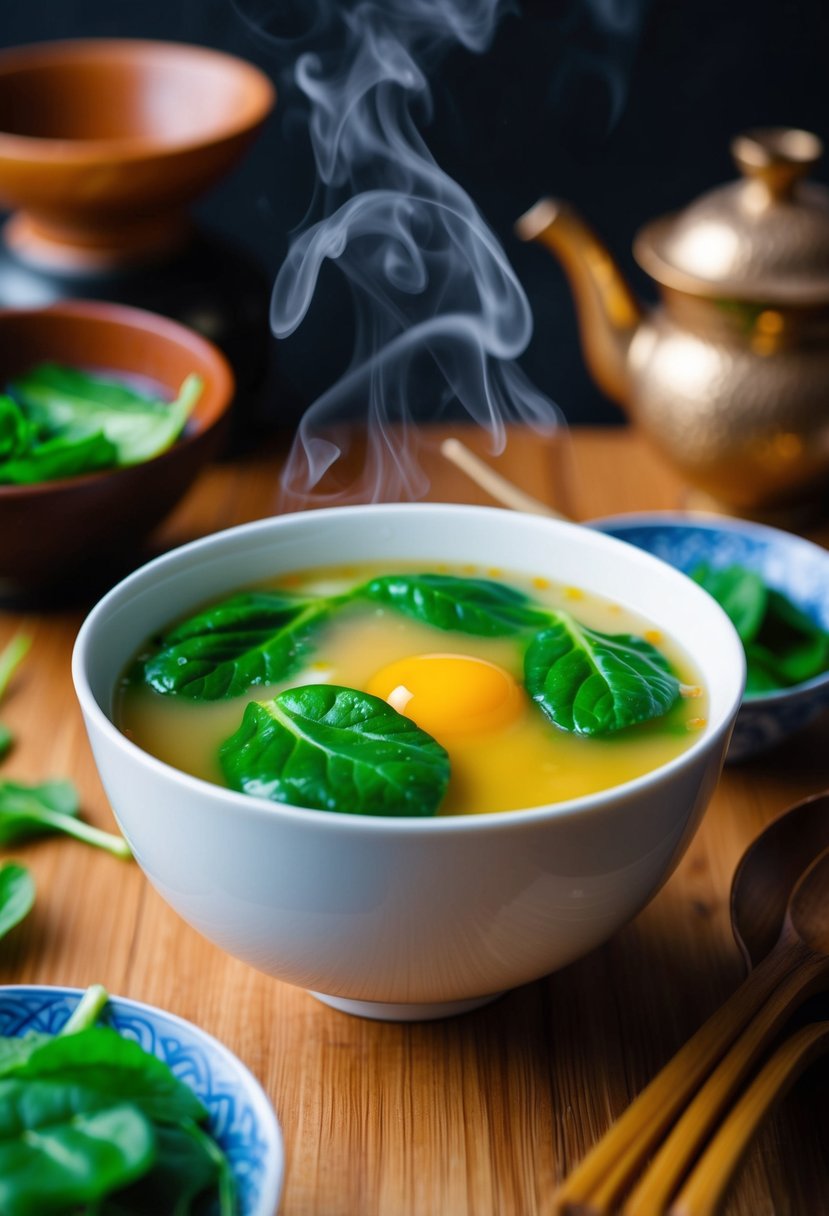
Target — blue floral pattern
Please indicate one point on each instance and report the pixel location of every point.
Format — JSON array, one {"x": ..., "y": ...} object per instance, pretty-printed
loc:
[
  {"x": 786, "y": 562},
  {"x": 241, "y": 1118}
]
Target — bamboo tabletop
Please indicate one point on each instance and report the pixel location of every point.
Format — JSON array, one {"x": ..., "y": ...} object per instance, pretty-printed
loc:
[{"x": 475, "y": 1116}]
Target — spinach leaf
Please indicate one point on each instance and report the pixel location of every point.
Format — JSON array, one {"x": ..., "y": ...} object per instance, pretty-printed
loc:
[
  {"x": 14, "y": 1051},
  {"x": 17, "y": 895},
  {"x": 28, "y": 811},
  {"x": 185, "y": 1168},
  {"x": 783, "y": 645},
  {"x": 137, "y": 426},
  {"x": 63, "y": 1145},
  {"x": 593, "y": 683},
  {"x": 336, "y": 749},
  {"x": 740, "y": 592},
  {"x": 16, "y": 431},
  {"x": 252, "y": 638},
  {"x": 468, "y": 605},
  {"x": 99, "y": 1058},
  {"x": 74, "y": 451},
  {"x": 11, "y": 656},
  {"x": 61, "y": 1096}
]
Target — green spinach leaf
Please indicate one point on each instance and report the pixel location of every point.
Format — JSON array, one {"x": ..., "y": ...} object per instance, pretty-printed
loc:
[
  {"x": 468, "y": 605},
  {"x": 137, "y": 426},
  {"x": 99, "y": 1058},
  {"x": 593, "y": 683},
  {"x": 17, "y": 894},
  {"x": 185, "y": 1169},
  {"x": 62, "y": 1146},
  {"x": 16, "y": 431},
  {"x": 74, "y": 451},
  {"x": 11, "y": 656},
  {"x": 28, "y": 811},
  {"x": 740, "y": 592},
  {"x": 336, "y": 749},
  {"x": 783, "y": 645},
  {"x": 14, "y": 1051},
  {"x": 250, "y": 639}
]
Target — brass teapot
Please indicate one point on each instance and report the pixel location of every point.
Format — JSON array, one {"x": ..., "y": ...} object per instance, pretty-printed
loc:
[{"x": 729, "y": 374}]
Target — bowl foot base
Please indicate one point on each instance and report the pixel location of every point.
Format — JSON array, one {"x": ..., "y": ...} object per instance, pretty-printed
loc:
[{"x": 382, "y": 1011}]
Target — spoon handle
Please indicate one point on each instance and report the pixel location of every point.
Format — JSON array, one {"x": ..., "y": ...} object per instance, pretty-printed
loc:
[
  {"x": 705, "y": 1190},
  {"x": 595, "y": 1185},
  {"x": 679, "y": 1150}
]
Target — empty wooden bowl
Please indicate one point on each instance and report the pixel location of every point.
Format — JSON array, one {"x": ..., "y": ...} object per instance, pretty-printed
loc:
[
  {"x": 49, "y": 529},
  {"x": 104, "y": 142}
]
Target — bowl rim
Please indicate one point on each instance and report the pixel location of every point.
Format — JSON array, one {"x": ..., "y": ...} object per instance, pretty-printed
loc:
[
  {"x": 138, "y": 320},
  {"x": 261, "y": 808},
  {"x": 275, "y": 1160},
  {"x": 711, "y": 522},
  {"x": 44, "y": 149}
]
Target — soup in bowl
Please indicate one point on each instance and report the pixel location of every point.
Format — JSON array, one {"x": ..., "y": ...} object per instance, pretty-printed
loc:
[{"x": 524, "y": 803}]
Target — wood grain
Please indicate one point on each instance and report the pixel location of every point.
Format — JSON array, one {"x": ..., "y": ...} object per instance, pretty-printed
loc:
[{"x": 477, "y": 1116}]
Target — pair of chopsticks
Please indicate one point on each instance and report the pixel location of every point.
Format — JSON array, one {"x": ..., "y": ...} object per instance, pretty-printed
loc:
[{"x": 678, "y": 1111}]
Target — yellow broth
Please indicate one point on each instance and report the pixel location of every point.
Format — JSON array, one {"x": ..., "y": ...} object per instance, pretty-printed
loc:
[{"x": 529, "y": 762}]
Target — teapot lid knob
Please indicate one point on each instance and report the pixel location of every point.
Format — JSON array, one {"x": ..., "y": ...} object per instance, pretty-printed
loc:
[{"x": 776, "y": 156}]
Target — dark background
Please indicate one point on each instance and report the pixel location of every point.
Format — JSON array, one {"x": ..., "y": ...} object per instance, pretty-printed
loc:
[{"x": 624, "y": 107}]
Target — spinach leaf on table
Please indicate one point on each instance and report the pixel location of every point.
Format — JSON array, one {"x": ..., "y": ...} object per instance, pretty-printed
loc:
[
  {"x": 11, "y": 656},
  {"x": 136, "y": 425},
  {"x": 29, "y": 811},
  {"x": 592, "y": 683},
  {"x": 477, "y": 606},
  {"x": 17, "y": 895},
  {"x": 336, "y": 749}
]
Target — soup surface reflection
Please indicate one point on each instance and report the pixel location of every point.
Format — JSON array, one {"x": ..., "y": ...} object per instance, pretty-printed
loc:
[{"x": 466, "y": 691}]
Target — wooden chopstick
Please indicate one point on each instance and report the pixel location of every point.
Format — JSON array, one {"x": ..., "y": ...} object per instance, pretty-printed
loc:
[
  {"x": 706, "y": 1187},
  {"x": 679, "y": 1150},
  {"x": 493, "y": 483},
  {"x": 599, "y": 1181}
]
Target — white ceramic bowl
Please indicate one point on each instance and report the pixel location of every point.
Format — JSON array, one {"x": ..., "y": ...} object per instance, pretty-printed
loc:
[{"x": 405, "y": 918}]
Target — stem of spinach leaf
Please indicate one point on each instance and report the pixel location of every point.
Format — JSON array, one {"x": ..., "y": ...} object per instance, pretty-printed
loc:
[
  {"x": 87, "y": 1011},
  {"x": 80, "y": 830}
]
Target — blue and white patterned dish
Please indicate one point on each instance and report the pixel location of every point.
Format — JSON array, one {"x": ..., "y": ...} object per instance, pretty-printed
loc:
[
  {"x": 792, "y": 565},
  {"x": 241, "y": 1118}
]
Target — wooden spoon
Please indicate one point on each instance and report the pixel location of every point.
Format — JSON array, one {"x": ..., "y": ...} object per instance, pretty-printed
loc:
[{"x": 760, "y": 893}]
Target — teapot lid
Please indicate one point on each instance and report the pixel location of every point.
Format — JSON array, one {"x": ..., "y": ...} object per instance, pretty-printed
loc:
[{"x": 764, "y": 237}]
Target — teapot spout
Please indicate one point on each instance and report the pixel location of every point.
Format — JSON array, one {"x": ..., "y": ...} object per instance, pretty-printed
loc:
[{"x": 608, "y": 312}]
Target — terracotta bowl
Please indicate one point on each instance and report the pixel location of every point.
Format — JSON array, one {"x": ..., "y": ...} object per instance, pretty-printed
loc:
[
  {"x": 104, "y": 142},
  {"x": 47, "y": 529}
]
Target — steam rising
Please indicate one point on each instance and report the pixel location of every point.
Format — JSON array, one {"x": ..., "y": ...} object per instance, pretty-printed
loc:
[{"x": 429, "y": 279}]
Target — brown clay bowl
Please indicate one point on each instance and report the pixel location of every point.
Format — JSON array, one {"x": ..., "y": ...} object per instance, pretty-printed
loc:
[
  {"x": 51, "y": 529},
  {"x": 103, "y": 142}
]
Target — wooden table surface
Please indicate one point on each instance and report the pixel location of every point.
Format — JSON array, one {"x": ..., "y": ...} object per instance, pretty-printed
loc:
[{"x": 469, "y": 1117}]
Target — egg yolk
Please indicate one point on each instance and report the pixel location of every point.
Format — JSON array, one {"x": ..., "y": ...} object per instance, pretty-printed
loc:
[{"x": 449, "y": 695}]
